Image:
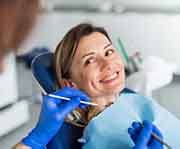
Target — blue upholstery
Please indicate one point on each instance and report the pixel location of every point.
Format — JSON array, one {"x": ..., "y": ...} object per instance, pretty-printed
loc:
[
  {"x": 67, "y": 136},
  {"x": 29, "y": 56},
  {"x": 43, "y": 71}
]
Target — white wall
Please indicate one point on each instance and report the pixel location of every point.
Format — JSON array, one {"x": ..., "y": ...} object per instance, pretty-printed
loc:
[
  {"x": 152, "y": 34},
  {"x": 170, "y": 5}
]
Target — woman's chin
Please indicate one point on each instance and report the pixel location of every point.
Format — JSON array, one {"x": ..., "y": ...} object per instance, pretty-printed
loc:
[
  {"x": 106, "y": 90},
  {"x": 111, "y": 90},
  {"x": 115, "y": 86}
]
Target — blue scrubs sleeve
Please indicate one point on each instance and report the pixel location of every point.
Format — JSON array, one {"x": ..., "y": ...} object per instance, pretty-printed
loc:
[{"x": 66, "y": 138}]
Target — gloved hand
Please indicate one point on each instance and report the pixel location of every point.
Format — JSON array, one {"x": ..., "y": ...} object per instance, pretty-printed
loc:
[
  {"x": 53, "y": 112},
  {"x": 141, "y": 135}
]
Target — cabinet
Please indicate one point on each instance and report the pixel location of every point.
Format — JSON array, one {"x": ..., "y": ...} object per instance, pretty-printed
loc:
[{"x": 13, "y": 112}]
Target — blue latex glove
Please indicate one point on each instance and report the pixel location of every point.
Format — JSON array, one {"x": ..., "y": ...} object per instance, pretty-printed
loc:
[
  {"x": 141, "y": 135},
  {"x": 53, "y": 112}
]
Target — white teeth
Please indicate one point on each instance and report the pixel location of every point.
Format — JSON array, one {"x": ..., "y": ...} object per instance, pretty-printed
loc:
[{"x": 113, "y": 76}]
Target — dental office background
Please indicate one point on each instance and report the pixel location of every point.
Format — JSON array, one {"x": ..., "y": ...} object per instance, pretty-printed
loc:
[{"x": 149, "y": 28}]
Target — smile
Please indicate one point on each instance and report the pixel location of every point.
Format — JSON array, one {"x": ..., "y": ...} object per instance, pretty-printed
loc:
[{"x": 110, "y": 78}]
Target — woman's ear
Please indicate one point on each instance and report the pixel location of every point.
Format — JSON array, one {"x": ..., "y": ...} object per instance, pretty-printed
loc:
[{"x": 67, "y": 82}]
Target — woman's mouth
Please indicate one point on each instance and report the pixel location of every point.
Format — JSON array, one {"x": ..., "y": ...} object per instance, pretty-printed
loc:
[{"x": 110, "y": 78}]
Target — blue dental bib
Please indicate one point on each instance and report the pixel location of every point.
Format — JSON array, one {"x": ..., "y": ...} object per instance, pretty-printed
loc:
[{"x": 109, "y": 130}]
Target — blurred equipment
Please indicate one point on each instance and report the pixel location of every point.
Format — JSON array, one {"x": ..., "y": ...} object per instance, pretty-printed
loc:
[
  {"x": 13, "y": 112},
  {"x": 28, "y": 57},
  {"x": 154, "y": 74},
  {"x": 146, "y": 75},
  {"x": 132, "y": 63}
]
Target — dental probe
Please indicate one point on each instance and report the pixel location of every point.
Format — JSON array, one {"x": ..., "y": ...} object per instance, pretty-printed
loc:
[
  {"x": 67, "y": 99},
  {"x": 160, "y": 140}
]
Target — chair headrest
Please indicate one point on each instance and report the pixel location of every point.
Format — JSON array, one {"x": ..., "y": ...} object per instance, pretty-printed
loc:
[{"x": 42, "y": 69}]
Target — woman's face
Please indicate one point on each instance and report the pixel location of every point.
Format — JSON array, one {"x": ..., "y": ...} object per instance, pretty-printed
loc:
[{"x": 97, "y": 67}]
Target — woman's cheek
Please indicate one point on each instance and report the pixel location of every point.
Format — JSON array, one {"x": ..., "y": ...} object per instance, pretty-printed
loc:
[{"x": 88, "y": 76}]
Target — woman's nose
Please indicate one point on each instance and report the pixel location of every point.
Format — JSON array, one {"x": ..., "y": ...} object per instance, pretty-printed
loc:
[{"x": 106, "y": 64}]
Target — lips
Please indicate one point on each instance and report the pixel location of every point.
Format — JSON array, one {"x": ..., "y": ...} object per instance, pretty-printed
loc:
[{"x": 110, "y": 77}]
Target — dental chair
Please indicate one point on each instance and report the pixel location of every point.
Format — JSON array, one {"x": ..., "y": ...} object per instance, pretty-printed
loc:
[{"x": 68, "y": 135}]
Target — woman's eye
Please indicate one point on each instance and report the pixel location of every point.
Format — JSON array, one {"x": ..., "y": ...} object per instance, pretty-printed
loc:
[
  {"x": 109, "y": 52},
  {"x": 89, "y": 61}
]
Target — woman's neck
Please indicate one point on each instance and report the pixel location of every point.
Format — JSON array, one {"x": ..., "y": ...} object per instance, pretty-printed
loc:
[{"x": 103, "y": 102}]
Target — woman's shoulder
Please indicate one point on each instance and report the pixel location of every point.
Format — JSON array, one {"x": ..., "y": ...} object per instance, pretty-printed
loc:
[{"x": 128, "y": 95}]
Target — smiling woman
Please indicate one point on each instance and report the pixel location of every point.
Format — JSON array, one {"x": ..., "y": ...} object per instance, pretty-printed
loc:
[{"x": 86, "y": 59}]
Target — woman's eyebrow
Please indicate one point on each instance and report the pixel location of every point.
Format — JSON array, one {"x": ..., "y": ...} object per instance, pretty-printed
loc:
[
  {"x": 91, "y": 53},
  {"x": 109, "y": 44}
]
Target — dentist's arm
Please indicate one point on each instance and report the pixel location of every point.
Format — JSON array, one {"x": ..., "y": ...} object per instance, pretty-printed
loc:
[
  {"x": 141, "y": 136},
  {"x": 52, "y": 115}
]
